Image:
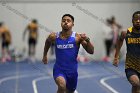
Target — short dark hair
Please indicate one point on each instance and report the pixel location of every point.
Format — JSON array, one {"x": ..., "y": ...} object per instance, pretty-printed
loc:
[
  {"x": 69, "y": 15},
  {"x": 1, "y": 24},
  {"x": 137, "y": 12},
  {"x": 34, "y": 20}
]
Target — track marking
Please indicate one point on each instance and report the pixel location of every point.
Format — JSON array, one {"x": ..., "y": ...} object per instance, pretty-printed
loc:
[
  {"x": 14, "y": 77},
  {"x": 102, "y": 81},
  {"x": 34, "y": 82},
  {"x": 75, "y": 91}
]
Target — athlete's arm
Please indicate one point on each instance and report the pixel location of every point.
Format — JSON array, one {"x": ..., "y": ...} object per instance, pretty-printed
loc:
[
  {"x": 9, "y": 36},
  {"x": 48, "y": 42},
  {"x": 37, "y": 31},
  {"x": 87, "y": 45},
  {"x": 118, "y": 47},
  {"x": 25, "y": 31}
]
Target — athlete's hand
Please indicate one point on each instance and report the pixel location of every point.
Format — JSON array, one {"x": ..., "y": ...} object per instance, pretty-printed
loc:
[
  {"x": 116, "y": 62},
  {"x": 83, "y": 36},
  {"x": 45, "y": 60}
]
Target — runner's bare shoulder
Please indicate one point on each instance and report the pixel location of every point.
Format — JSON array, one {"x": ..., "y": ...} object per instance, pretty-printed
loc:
[
  {"x": 123, "y": 34},
  {"x": 52, "y": 36}
]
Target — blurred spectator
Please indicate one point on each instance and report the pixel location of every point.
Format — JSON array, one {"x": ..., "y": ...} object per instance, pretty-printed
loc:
[
  {"x": 5, "y": 36},
  {"x": 32, "y": 28},
  {"x": 111, "y": 33},
  {"x": 116, "y": 28},
  {"x": 108, "y": 38}
]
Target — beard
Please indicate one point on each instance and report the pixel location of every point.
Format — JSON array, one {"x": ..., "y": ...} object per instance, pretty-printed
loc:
[
  {"x": 137, "y": 27},
  {"x": 65, "y": 27}
]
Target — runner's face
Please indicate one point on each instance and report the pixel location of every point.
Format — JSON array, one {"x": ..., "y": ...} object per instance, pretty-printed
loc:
[
  {"x": 136, "y": 21},
  {"x": 67, "y": 23}
]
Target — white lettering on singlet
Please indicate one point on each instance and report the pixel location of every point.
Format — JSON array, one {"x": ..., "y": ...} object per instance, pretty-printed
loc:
[{"x": 66, "y": 46}]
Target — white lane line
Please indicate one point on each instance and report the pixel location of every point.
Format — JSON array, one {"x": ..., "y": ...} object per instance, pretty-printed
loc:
[
  {"x": 14, "y": 77},
  {"x": 75, "y": 91},
  {"x": 102, "y": 81},
  {"x": 34, "y": 82},
  {"x": 84, "y": 75}
]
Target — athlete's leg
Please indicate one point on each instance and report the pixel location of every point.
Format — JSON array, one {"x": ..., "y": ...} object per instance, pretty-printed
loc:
[
  {"x": 3, "y": 54},
  {"x": 108, "y": 44},
  {"x": 61, "y": 83},
  {"x": 29, "y": 50},
  {"x": 60, "y": 80},
  {"x": 133, "y": 78},
  {"x": 34, "y": 48},
  {"x": 4, "y": 51},
  {"x": 32, "y": 45},
  {"x": 8, "y": 56},
  {"x": 72, "y": 78},
  {"x": 33, "y": 51}
]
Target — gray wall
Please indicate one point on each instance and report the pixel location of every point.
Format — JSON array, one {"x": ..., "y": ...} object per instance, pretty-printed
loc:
[{"x": 88, "y": 19}]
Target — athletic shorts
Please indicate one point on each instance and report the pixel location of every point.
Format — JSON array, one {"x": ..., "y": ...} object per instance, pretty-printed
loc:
[
  {"x": 69, "y": 76},
  {"x": 32, "y": 41},
  {"x": 129, "y": 72},
  {"x": 5, "y": 44}
]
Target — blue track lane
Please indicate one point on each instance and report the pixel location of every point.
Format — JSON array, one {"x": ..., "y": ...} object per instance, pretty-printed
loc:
[{"x": 28, "y": 77}]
